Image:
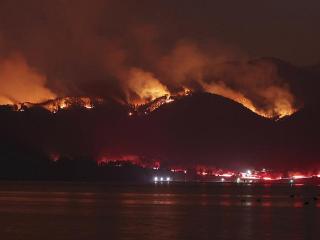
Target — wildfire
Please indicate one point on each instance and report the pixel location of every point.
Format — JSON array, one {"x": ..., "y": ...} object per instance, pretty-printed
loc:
[
  {"x": 61, "y": 103},
  {"x": 282, "y": 105},
  {"x": 152, "y": 94},
  {"x": 64, "y": 103},
  {"x": 153, "y": 105},
  {"x": 146, "y": 86},
  {"x": 159, "y": 102}
]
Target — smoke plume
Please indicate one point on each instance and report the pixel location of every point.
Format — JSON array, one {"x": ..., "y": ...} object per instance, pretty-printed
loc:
[
  {"x": 127, "y": 52},
  {"x": 20, "y": 83}
]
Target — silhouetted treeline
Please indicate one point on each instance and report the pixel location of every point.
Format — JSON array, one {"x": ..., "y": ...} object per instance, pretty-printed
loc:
[{"x": 26, "y": 165}]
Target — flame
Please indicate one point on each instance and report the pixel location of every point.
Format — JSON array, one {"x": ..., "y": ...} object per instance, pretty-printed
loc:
[
  {"x": 159, "y": 102},
  {"x": 146, "y": 86},
  {"x": 151, "y": 106},
  {"x": 61, "y": 103},
  {"x": 22, "y": 85},
  {"x": 67, "y": 102},
  {"x": 256, "y": 85},
  {"x": 282, "y": 104},
  {"x": 26, "y": 85}
]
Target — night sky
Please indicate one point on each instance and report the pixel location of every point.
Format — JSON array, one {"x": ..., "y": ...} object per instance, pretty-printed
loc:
[{"x": 284, "y": 29}]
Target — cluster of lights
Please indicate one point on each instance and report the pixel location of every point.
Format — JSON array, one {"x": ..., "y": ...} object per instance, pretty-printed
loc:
[
  {"x": 162, "y": 179},
  {"x": 248, "y": 176},
  {"x": 179, "y": 170},
  {"x": 251, "y": 176}
]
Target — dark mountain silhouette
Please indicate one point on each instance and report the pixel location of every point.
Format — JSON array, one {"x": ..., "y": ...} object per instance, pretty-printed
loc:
[{"x": 200, "y": 129}]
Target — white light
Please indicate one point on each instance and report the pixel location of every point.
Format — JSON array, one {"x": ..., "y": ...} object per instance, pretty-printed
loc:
[
  {"x": 226, "y": 175},
  {"x": 222, "y": 179},
  {"x": 156, "y": 179},
  {"x": 291, "y": 180},
  {"x": 238, "y": 180},
  {"x": 161, "y": 179},
  {"x": 249, "y": 172},
  {"x": 168, "y": 179}
]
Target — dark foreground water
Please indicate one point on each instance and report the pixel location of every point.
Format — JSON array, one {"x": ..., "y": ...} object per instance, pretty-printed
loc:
[{"x": 176, "y": 211}]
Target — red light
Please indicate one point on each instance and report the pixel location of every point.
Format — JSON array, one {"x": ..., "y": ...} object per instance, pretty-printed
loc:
[
  {"x": 299, "y": 176},
  {"x": 267, "y": 178},
  {"x": 226, "y": 175}
]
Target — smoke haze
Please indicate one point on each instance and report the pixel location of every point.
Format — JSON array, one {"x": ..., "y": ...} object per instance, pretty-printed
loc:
[{"x": 132, "y": 52}]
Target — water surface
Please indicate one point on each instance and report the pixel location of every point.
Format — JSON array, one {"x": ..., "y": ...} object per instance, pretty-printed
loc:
[{"x": 157, "y": 211}]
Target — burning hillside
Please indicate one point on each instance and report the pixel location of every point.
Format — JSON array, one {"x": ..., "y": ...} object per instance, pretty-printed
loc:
[
  {"x": 156, "y": 103},
  {"x": 61, "y": 104},
  {"x": 144, "y": 108},
  {"x": 188, "y": 67},
  {"x": 65, "y": 103}
]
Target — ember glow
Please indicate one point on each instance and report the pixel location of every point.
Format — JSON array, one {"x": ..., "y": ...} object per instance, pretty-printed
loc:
[
  {"x": 155, "y": 104},
  {"x": 61, "y": 104},
  {"x": 65, "y": 103}
]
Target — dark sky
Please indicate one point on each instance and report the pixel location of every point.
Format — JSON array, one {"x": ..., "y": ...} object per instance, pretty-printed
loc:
[{"x": 286, "y": 29}]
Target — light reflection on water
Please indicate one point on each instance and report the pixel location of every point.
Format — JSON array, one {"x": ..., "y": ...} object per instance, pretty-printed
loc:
[{"x": 189, "y": 211}]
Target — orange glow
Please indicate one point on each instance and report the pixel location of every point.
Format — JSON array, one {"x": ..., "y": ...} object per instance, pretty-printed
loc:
[
  {"x": 145, "y": 86},
  {"x": 242, "y": 82},
  {"x": 153, "y": 105},
  {"x": 25, "y": 85},
  {"x": 20, "y": 83},
  {"x": 151, "y": 91},
  {"x": 282, "y": 106},
  {"x": 159, "y": 102},
  {"x": 67, "y": 102}
]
